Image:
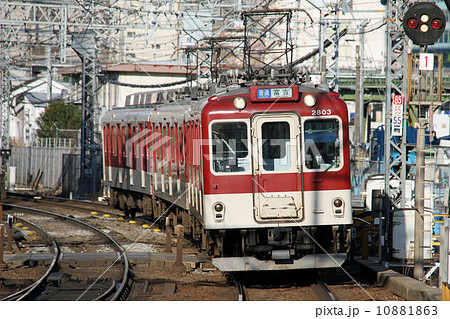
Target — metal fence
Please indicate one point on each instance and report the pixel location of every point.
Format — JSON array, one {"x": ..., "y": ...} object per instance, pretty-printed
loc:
[{"x": 41, "y": 164}]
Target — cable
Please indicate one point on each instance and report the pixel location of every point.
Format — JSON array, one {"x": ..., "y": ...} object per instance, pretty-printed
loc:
[
  {"x": 314, "y": 52},
  {"x": 149, "y": 86},
  {"x": 383, "y": 23}
]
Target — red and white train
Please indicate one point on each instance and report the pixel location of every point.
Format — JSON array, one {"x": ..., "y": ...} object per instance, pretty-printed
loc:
[{"x": 260, "y": 174}]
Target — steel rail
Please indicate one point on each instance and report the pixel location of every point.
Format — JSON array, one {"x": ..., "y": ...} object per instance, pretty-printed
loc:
[
  {"x": 55, "y": 198},
  {"x": 122, "y": 253},
  {"x": 241, "y": 291},
  {"x": 25, "y": 292},
  {"x": 61, "y": 202},
  {"x": 323, "y": 291}
]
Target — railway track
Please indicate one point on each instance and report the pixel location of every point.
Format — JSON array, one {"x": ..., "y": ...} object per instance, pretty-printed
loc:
[
  {"x": 85, "y": 210},
  {"x": 66, "y": 282},
  {"x": 54, "y": 249},
  {"x": 303, "y": 289},
  {"x": 323, "y": 292},
  {"x": 70, "y": 203},
  {"x": 297, "y": 286},
  {"x": 241, "y": 291}
]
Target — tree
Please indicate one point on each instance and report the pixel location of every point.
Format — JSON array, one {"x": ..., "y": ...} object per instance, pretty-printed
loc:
[{"x": 59, "y": 120}]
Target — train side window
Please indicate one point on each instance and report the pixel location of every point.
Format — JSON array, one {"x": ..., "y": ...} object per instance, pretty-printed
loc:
[
  {"x": 229, "y": 147},
  {"x": 142, "y": 147},
  {"x": 156, "y": 149},
  {"x": 109, "y": 138},
  {"x": 105, "y": 138},
  {"x": 135, "y": 132},
  {"x": 114, "y": 140},
  {"x": 172, "y": 142},
  {"x": 322, "y": 145},
  {"x": 181, "y": 142},
  {"x": 124, "y": 138},
  {"x": 119, "y": 143},
  {"x": 276, "y": 146}
]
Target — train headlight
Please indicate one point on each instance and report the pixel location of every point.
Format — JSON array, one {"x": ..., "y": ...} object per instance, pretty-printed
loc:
[
  {"x": 218, "y": 207},
  {"x": 337, "y": 202},
  {"x": 219, "y": 211},
  {"x": 239, "y": 103},
  {"x": 309, "y": 100},
  {"x": 338, "y": 208}
]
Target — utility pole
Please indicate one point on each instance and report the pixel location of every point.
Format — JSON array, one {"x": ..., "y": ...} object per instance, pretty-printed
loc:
[
  {"x": 84, "y": 46},
  {"x": 396, "y": 87},
  {"x": 420, "y": 177},
  {"x": 359, "y": 97},
  {"x": 419, "y": 201},
  {"x": 358, "y": 103},
  {"x": 48, "y": 51},
  {"x": 5, "y": 100}
]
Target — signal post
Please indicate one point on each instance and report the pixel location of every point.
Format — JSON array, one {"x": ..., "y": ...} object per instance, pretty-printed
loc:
[{"x": 423, "y": 23}]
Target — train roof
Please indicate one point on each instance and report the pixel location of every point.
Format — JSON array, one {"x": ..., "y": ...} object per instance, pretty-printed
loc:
[
  {"x": 121, "y": 114},
  {"x": 190, "y": 95},
  {"x": 180, "y": 104}
]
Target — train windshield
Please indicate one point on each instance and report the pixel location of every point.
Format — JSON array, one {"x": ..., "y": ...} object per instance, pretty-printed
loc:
[
  {"x": 229, "y": 147},
  {"x": 275, "y": 150},
  {"x": 322, "y": 146}
]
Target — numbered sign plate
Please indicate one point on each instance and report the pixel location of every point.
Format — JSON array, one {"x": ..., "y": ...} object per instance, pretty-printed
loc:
[
  {"x": 397, "y": 116},
  {"x": 426, "y": 61}
]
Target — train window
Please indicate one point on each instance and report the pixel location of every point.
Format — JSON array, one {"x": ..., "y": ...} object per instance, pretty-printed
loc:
[
  {"x": 229, "y": 147},
  {"x": 173, "y": 153},
  {"x": 275, "y": 148},
  {"x": 322, "y": 146},
  {"x": 109, "y": 139},
  {"x": 124, "y": 138},
  {"x": 182, "y": 141},
  {"x": 114, "y": 140},
  {"x": 105, "y": 138},
  {"x": 135, "y": 132}
]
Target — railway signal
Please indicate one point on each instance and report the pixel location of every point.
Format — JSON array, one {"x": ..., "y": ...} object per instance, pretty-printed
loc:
[{"x": 424, "y": 23}]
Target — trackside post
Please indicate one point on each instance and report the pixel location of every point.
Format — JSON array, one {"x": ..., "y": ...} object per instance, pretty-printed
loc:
[
  {"x": 2, "y": 242},
  {"x": 168, "y": 235},
  {"x": 10, "y": 232},
  {"x": 179, "y": 230}
]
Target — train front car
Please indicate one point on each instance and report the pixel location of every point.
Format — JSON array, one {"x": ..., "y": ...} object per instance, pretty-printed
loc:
[{"x": 276, "y": 171}]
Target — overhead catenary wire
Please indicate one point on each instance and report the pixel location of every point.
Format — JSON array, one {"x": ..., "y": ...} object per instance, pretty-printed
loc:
[
  {"x": 314, "y": 52},
  {"x": 150, "y": 86}
]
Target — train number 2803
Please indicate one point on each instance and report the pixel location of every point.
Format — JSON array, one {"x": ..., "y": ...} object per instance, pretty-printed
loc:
[{"x": 321, "y": 112}]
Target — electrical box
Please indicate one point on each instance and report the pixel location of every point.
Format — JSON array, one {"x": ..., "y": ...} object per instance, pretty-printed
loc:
[
  {"x": 444, "y": 258},
  {"x": 403, "y": 235},
  {"x": 374, "y": 187}
]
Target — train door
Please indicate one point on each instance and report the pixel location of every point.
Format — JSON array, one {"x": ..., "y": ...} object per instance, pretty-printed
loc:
[{"x": 277, "y": 178}]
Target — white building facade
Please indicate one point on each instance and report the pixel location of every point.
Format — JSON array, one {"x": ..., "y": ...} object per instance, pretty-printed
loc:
[{"x": 29, "y": 101}]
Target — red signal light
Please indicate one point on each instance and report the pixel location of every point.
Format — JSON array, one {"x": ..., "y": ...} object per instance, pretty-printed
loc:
[
  {"x": 436, "y": 23},
  {"x": 413, "y": 23}
]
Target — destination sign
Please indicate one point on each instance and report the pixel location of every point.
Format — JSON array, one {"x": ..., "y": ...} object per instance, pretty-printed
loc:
[
  {"x": 274, "y": 93},
  {"x": 263, "y": 94}
]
